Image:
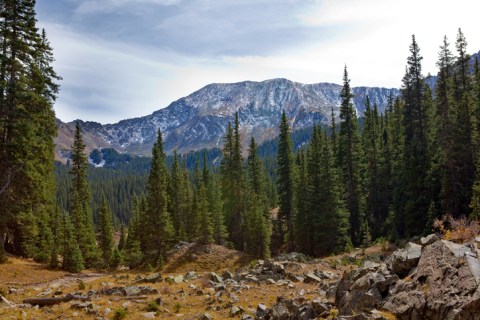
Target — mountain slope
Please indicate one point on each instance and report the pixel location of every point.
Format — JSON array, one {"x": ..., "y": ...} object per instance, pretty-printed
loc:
[{"x": 200, "y": 119}]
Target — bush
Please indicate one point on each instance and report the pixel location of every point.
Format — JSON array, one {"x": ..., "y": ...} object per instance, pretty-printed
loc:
[{"x": 120, "y": 314}]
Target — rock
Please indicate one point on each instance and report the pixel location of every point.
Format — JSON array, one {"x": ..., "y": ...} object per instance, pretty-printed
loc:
[
  {"x": 81, "y": 305},
  {"x": 261, "y": 312},
  {"x": 227, "y": 275},
  {"x": 431, "y": 238},
  {"x": 215, "y": 277},
  {"x": 46, "y": 292},
  {"x": 443, "y": 287},
  {"x": 320, "y": 307},
  {"x": 129, "y": 291},
  {"x": 280, "y": 312},
  {"x": 178, "y": 279},
  {"x": 153, "y": 278},
  {"x": 191, "y": 275},
  {"x": 270, "y": 281},
  {"x": 205, "y": 316},
  {"x": 403, "y": 260},
  {"x": 235, "y": 311},
  {"x": 246, "y": 317},
  {"x": 311, "y": 278},
  {"x": 149, "y": 315},
  {"x": 363, "y": 288}
]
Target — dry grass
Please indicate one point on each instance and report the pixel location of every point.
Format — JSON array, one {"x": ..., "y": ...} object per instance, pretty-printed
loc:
[{"x": 179, "y": 301}]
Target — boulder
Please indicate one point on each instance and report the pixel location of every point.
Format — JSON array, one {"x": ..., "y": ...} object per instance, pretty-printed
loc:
[
  {"x": 444, "y": 286},
  {"x": 403, "y": 260},
  {"x": 431, "y": 238},
  {"x": 215, "y": 277}
]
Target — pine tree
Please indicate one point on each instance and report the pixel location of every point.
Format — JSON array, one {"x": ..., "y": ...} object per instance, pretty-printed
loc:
[
  {"x": 232, "y": 184},
  {"x": 463, "y": 130},
  {"x": 349, "y": 160},
  {"x": 72, "y": 256},
  {"x": 123, "y": 238},
  {"x": 177, "y": 197},
  {"x": 257, "y": 234},
  {"x": 105, "y": 234},
  {"x": 159, "y": 232},
  {"x": 416, "y": 155},
  {"x": 27, "y": 127},
  {"x": 205, "y": 213},
  {"x": 80, "y": 211},
  {"x": 286, "y": 186}
]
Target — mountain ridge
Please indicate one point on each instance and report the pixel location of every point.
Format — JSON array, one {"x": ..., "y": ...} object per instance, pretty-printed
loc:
[{"x": 200, "y": 119}]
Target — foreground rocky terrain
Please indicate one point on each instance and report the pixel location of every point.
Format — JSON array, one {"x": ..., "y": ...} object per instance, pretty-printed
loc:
[{"x": 430, "y": 279}]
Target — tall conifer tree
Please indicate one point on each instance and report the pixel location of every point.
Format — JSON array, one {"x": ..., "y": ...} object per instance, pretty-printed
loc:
[{"x": 349, "y": 160}]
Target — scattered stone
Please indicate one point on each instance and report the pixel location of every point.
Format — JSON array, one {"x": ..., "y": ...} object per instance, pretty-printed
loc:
[
  {"x": 191, "y": 275},
  {"x": 215, "y": 277},
  {"x": 271, "y": 281},
  {"x": 46, "y": 292},
  {"x": 311, "y": 278},
  {"x": 261, "y": 312},
  {"x": 431, "y": 238},
  {"x": 205, "y": 316},
  {"x": 153, "y": 278},
  {"x": 129, "y": 291},
  {"x": 247, "y": 317},
  {"x": 227, "y": 275},
  {"x": 178, "y": 279},
  {"x": 149, "y": 315},
  {"x": 81, "y": 305},
  {"x": 235, "y": 311}
]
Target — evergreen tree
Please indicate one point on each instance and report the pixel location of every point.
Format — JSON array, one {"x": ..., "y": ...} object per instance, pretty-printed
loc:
[
  {"x": 349, "y": 160},
  {"x": 159, "y": 232},
  {"x": 80, "y": 211},
  {"x": 105, "y": 234},
  {"x": 331, "y": 225},
  {"x": 205, "y": 213},
  {"x": 463, "y": 130},
  {"x": 257, "y": 237},
  {"x": 177, "y": 197},
  {"x": 72, "y": 256},
  {"x": 123, "y": 238},
  {"x": 28, "y": 90},
  {"x": 416, "y": 155},
  {"x": 286, "y": 186},
  {"x": 232, "y": 184}
]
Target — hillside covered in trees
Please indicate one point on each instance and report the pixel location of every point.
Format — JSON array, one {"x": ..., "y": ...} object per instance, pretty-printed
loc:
[{"x": 387, "y": 175}]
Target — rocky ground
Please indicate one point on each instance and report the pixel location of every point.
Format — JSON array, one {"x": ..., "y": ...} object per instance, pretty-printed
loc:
[{"x": 431, "y": 279}]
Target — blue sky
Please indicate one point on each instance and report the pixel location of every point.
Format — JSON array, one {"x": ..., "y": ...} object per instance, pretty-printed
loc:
[{"x": 127, "y": 58}]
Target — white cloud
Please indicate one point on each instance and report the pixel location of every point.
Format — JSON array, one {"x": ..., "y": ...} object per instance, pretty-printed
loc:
[
  {"x": 109, "y": 79},
  {"x": 105, "y": 6}
]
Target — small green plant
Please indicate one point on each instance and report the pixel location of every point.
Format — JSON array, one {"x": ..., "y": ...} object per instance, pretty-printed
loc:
[
  {"x": 81, "y": 285},
  {"x": 149, "y": 267},
  {"x": 177, "y": 307},
  {"x": 152, "y": 307},
  {"x": 120, "y": 314}
]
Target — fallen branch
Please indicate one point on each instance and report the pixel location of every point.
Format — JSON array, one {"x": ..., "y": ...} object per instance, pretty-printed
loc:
[
  {"x": 51, "y": 301},
  {"x": 4, "y": 300}
]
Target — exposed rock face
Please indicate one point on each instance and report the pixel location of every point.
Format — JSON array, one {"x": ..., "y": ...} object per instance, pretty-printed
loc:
[{"x": 440, "y": 281}]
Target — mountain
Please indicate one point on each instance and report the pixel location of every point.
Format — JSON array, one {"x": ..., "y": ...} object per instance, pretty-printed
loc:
[{"x": 200, "y": 120}]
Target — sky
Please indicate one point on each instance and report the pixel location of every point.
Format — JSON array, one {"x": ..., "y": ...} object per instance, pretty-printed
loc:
[{"x": 122, "y": 59}]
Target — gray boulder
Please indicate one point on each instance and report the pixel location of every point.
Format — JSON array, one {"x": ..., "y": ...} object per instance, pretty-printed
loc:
[{"x": 403, "y": 260}]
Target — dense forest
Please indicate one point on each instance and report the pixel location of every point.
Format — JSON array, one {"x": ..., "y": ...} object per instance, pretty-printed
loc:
[{"x": 388, "y": 175}]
